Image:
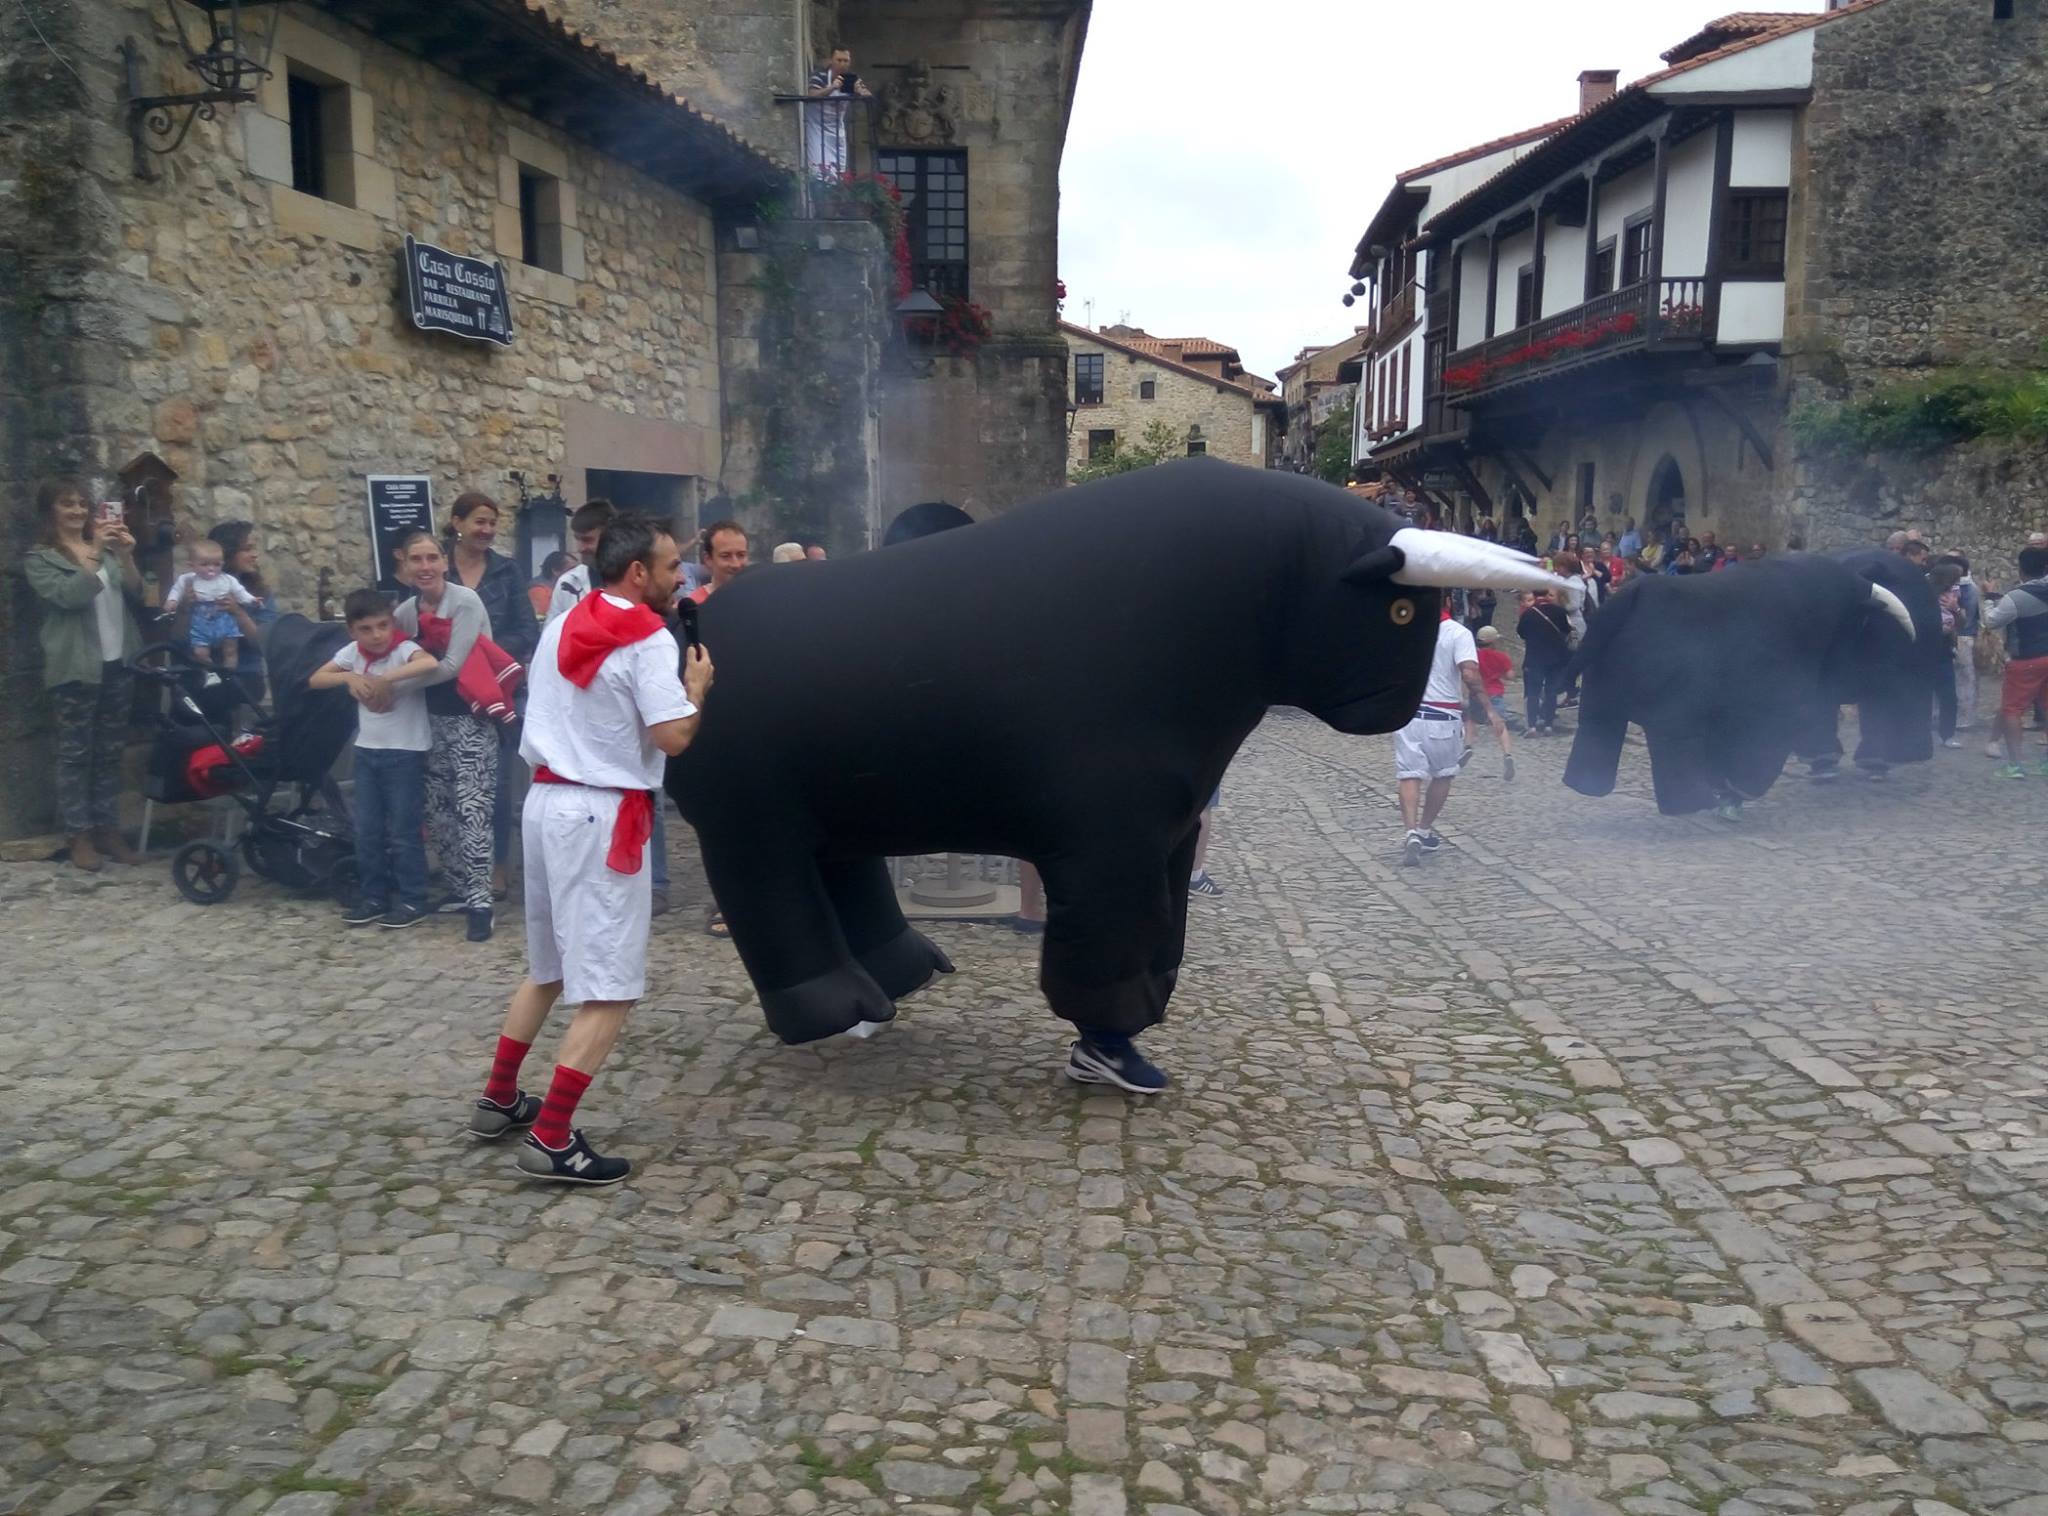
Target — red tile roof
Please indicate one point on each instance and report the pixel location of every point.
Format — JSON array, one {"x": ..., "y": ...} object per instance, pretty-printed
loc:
[
  {"x": 1182, "y": 348},
  {"x": 1513, "y": 139},
  {"x": 1639, "y": 88},
  {"x": 1729, "y": 27},
  {"x": 1243, "y": 384}
]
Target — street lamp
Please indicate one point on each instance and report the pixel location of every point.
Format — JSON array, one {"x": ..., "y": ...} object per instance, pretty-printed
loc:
[{"x": 228, "y": 60}]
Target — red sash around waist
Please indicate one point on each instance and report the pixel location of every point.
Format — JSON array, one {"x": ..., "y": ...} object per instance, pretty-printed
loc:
[{"x": 630, "y": 832}]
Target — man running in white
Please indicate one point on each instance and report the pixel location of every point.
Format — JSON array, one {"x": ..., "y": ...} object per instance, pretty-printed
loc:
[
  {"x": 1430, "y": 750},
  {"x": 605, "y": 708}
]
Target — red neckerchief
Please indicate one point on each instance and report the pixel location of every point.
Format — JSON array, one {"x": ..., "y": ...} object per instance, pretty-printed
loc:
[{"x": 594, "y": 630}]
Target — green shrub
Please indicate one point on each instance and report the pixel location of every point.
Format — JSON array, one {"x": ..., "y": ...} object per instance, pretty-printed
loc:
[{"x": 1926, "y": 415}]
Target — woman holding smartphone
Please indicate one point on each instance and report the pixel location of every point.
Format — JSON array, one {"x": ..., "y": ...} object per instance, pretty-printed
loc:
[{"x": 83, "y": 576}]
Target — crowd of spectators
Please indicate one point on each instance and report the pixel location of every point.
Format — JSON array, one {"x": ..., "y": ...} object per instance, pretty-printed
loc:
[{"x": 435, "y": 664}]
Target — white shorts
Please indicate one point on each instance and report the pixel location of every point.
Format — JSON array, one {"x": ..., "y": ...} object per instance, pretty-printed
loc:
[
  {"x": 1428, "y": 749},
  {"x": 586, "y": 924}
]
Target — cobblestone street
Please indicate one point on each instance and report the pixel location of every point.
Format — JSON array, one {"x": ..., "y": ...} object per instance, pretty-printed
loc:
[{"x": 1607, "y": 1162}]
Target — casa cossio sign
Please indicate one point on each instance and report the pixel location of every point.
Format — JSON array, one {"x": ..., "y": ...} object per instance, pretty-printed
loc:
[{"x": 465, "y": 297}]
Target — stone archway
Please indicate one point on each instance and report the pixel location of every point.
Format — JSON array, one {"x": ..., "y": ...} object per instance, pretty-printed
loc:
[{"x": 1664, "y": 499}]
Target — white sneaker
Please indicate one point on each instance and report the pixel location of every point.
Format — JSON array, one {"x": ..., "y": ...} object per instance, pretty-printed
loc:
[{"x": 1411, "y": 850}]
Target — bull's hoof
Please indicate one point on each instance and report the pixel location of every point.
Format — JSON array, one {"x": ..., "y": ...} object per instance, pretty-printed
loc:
[
  {"x": 905, "y": 964},
  {"x": 834, "y": 1002}
]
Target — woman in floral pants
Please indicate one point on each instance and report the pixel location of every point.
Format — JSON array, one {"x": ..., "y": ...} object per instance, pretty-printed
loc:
[{"x": 462, "y": 765}]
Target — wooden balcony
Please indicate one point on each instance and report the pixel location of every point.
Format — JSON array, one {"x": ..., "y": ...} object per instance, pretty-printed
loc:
[
  {"x": 1396, "y": 315},
  {"x": 1672, "y": 313}
]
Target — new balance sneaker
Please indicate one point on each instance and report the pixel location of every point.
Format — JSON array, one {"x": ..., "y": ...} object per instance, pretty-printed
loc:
[
  {"x": 1202, "y": 884},
  {"x": 1431, "y": 842},
  {"x": 1411, "y": 850},
  {"x": 490, "y": 1119},
  {"x": 365, "y": 913},
  {"x": 406, "y": 915},
  {"x": 578, "y": 1163},
  {"x": 480, "y": 923},
  {"x": 1100, "y": 1058}
]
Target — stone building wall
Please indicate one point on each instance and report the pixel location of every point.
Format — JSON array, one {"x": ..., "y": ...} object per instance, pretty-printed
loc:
[
  {"x": 1728, "y": 489},
  {"x": 254, "y": 338},
  {"x": 279, "y": 369},
  {"x": 1226, "y": 416},
  {"x": 1920, "y": 177},
  {"x": 803, "y": 316}
]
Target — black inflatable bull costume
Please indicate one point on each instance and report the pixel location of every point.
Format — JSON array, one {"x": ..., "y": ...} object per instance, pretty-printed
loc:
[
  {"x": 1064, "y": 684},
  {"x": 1726, "y": 673},
  {"x": 1889, "y": 677}
]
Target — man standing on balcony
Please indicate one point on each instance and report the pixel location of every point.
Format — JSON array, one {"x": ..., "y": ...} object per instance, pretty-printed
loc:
[{"x": 825, "y": 130}]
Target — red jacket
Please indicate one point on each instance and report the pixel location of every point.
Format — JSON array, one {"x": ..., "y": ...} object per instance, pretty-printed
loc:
[{"x": 489, "y": 676}]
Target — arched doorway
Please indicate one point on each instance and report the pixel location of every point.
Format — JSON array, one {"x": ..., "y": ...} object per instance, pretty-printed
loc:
[{"x": 1666, "y": 499}]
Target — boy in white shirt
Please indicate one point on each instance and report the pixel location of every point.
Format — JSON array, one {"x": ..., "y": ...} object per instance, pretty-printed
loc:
[{"x": 381, "y": 669}]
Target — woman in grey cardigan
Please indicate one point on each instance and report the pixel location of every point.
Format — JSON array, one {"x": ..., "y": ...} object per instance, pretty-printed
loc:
[
  {"x": 462, "y": 764},
  {"x": 87, "y": 635}
]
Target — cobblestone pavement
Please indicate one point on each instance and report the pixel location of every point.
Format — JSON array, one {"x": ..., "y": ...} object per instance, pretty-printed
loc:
[{"x": 1604, "y": 1163}]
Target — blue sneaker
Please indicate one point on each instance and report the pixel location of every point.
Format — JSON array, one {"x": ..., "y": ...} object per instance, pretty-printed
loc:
[{"x": 1103, "y": 1058}]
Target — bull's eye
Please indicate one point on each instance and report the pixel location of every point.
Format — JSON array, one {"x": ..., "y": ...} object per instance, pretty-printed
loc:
[{"x": 1403, "y": 612}]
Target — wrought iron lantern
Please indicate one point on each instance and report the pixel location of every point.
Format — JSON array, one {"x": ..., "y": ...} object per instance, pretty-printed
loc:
[
  {"x": 543, "y": 521},
  {"x": 231, "y": 58}
]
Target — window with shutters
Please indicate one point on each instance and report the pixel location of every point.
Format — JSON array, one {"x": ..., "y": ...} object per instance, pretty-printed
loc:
[
  {"x": 933, "y": 189},
  {"x": 1753, "y": 234},
  {"x": 1087, "y": 378}
]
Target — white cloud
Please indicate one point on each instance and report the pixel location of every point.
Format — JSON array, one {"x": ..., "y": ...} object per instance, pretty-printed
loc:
[{"x": 1224, "y": 155}]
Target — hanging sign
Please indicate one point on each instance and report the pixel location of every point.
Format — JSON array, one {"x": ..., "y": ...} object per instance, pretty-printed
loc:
[
  {"x": 446, "y": 292},
  {"x": 399, "y": 503}
]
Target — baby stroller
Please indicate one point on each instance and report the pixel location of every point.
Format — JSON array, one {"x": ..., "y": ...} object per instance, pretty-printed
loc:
[{"x": 306, "y": 847}]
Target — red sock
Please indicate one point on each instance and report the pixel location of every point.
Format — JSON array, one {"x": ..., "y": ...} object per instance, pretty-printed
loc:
[
  {"x": 503, "y": 1086},
  {"x": 552, "y": 1130}
]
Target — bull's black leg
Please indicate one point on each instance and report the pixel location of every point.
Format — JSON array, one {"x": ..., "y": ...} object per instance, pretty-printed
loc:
[
  {"x": 899, "y": 958},
  {"x": 1110, "y": 952},
  {"x": 1682, "y": 772},
  {"x": 1165, "y": 969},
  {"x": 788, "y": 935}
]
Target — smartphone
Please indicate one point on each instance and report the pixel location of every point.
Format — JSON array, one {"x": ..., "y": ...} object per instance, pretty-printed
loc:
[
  {"x": 848, "y": 81},
  {"x": 110, "y": 513},
  {"x": 686, "y": 617}
]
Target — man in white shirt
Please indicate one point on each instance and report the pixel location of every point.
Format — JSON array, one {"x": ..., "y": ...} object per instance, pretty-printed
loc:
[
  {"x": 1429, "y": 750},
  {"x": 586, "y": 526},
  {"x": 605, "y": 710}
]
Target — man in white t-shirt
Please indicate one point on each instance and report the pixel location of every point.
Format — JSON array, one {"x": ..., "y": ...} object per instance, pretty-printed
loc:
[
  {"x": 605, "y": 710},
  {"x": 1429, "y": 750},
  {"x": 585, "y": 526}
]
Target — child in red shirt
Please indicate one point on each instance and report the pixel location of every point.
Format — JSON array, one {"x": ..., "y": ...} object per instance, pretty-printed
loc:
[{"x": 1494, "y": 668}]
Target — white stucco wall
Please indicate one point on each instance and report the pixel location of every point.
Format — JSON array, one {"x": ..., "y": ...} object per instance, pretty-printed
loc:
[
  {"x": 1514, "y": 252},
  {"x": 1752, "y": 312},
  {"x": 1472, "y": 295},
  {"x": 1564, "y": 268},
  {"x": 1688, "y": 203},
  {"x": 1621, "y": 198},
  {"x": 1762, "y": 155}
]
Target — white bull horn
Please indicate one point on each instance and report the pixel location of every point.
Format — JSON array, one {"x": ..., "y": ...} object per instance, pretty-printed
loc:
[
  {"x": 1894, "y": 607},
  {"x": 1444, "y": 560}
]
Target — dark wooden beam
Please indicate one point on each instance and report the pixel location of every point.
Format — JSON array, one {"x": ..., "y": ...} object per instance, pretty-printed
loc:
[
  {"x": 1533, "y": 467},
  {"x": 1717, "y": 222},
  {"x": 1492, "y": 281},
  {"x": 1741, "y": 419},
  {"x": 1587, "y": 292}
]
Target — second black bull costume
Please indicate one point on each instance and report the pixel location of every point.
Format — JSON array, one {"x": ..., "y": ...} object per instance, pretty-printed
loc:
[
  {"x": 1728, "y": 674},
  {"x": 1066, "y": 684}
]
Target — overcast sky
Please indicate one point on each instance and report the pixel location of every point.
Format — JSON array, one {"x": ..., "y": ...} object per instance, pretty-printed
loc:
[{"x": 1225, "y": 155}]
